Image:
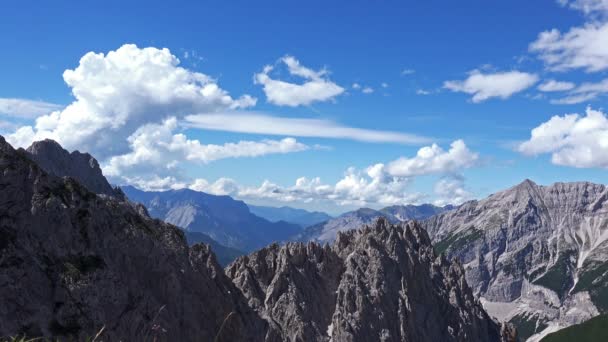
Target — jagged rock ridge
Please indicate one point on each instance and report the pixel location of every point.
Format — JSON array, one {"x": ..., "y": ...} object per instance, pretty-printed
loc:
[
  {"x": 72, "y": 262},
  {"x": 537, "y": 255},
  {"x": 380, "y": 283},
  {"x": 54, "y": 159}
]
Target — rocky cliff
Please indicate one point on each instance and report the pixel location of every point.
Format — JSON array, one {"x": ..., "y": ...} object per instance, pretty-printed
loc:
[
  {"x": 537, "y": 255},
  {"x": 381, "y": 283},
  {"x": 73, "y": 262},
  {"x": 54, "y": 159}
]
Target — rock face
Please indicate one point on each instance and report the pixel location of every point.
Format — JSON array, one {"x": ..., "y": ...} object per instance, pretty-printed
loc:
[
  {"x": 380, "y": 283},
  {"x": 328, "y": 230},
  {"x": 53, "y": 159},
  {"x": 72, "y": 262},
  {"x": 224, "y": 219},
  {"x": 537, "y": 255}
]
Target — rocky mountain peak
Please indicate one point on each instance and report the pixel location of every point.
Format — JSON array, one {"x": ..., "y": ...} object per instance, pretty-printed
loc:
[
  {"x": 382, "y": 282},
  {"x": 535, "y": 254},
  {"x": 83, "y": 167}
]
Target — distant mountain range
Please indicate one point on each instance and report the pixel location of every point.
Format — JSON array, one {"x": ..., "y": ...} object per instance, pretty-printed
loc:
[
  {"x": 288, "y": 214},
  {"x": 224, "y": 219},
  {"x": 328, "y": 230}
]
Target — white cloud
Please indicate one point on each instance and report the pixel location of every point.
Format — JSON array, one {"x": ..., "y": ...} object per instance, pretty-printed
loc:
[
  {"x": 485, "y": 86},
  {"x": 256, "y": 123},
  {"x": 356, "y": 86},
  {"x": 580, "y": 48},
  {"x": 24, "y": 108},
  {"x": 376, "y": 185},
  {"x": 588, "y": 7},
  {"x": 316, "y": 88},
  {"x": 406, "y": 72},
  {"x": 572, "y": 139},
  {"x": 157, "y": 150},
  {"x": 450, "y": 190},
  {"x": 367, "y": 90},
  {"x": 553, "y": 85},
  {"x": 585, "y": 92},
  {"x": 120, "y": 91},
  {"x": 384, "y": 85},
  {"x": 433, "y": 159},
  {"x": 422, "y": 92}
]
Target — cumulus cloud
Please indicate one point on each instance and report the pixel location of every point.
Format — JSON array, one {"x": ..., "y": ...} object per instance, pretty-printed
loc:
[
  {"x": 572, "y": 140},
  {"x": 433, "y": 159},
  {"x": 485, "y": 86},
  {"x": 356, "y": 188},
  {"x": 27, "y": 109},
  {"x": 406, "y": 72},
  {"x": 553, "y": 85},
  {"x": 157, "y": 150},
  {"x": 117, "y": 92},
  {"x": 375, "y": 185},
  {"x": 580, "y": 48},
  {"x": 316, "y": 88},
  {"x": 257, "y": 123},
  {"x": 451, "y": 190},
  {"x": 367, "y": 90}
]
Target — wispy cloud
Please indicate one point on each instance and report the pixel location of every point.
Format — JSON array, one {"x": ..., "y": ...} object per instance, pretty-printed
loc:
[
  {"x": 257, "y": 123},
  {"x": 24, "y": 108}
]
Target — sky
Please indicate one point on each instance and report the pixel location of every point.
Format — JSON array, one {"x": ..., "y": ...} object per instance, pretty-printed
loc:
[{"x": 322, "y": 105}]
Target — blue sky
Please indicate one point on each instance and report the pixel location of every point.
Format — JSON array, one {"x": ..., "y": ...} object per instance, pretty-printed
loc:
[{"x": 440, "y": 71}]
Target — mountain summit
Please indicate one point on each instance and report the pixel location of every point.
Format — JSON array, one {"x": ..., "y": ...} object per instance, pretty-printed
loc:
[{"x": 537, "y": 255}]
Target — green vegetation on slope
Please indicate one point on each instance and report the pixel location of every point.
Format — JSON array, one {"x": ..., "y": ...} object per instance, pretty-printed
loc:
[
  {"x": 557, "y": 277},
  {"x": 458, "y": 240},
  {"x": 595, "y": 329},
  {"x": 595, "y": 280},
  {"x": 527, "y": 325}
]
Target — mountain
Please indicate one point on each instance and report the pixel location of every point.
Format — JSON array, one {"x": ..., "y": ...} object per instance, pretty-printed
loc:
[
  {"x": 225, "y": 255},
  {"x": 292, "y": 215},
  {"x": 73, "y": 263},
  {"x": 380, "y": 283},
  {"x": 536, "y": 255},
  {"x": 224, "y": 219},
  {"x": 57, "y": 161},
  {"x": 595, "y": 329},
  {"x": 414, "y": 212},
  {"x": 327, "y": 231}
]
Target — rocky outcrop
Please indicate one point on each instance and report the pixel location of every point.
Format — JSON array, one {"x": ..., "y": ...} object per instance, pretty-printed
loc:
[
  {"x": 72, "y": 263},
  {"x": 536, "y": 255},
  {"x": 54, "y": 159},
  {"x": 380, "y": 283}
]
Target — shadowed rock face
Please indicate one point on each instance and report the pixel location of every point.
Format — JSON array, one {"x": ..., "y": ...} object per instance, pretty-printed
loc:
[
  {"x": 53, "y": 159},
  {"x": 72, "y": 262},
  {"x": 380, "y": 283},
  {"x": 537, "y": 255}
]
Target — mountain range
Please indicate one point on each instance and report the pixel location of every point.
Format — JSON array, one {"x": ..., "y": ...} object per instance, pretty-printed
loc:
[
  {"x": 224, "y": 219},
  {"x": 302, "y": 217},
  {"x": 75, "y": 264},
  {"x": 327, "y": 231}
]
